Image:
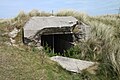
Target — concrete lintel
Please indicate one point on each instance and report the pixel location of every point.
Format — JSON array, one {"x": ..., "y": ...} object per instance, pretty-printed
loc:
[{"x": 57, "y": 33}]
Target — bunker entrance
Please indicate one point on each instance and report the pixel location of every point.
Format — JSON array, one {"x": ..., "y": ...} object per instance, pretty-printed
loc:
[{"x": 58, "y": 43}]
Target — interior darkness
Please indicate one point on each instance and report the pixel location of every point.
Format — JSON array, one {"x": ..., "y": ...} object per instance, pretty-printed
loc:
[{"x": 58, "y": 42}]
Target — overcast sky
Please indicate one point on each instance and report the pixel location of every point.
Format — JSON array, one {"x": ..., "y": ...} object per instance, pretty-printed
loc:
[{"x": 10, "y": 8}]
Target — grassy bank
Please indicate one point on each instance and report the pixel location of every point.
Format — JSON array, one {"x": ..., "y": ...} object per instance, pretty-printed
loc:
[{"x": 27, "y": 63}]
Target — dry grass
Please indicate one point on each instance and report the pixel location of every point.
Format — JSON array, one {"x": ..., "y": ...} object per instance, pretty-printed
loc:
[
  {"x": 25, "y": 63},
  {"x": 103, "y": 46},
  {"x": 79, "y": 15}
]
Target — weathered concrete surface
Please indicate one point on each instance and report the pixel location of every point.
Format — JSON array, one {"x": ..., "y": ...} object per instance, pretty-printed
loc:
[
  {"x": 14, "y": 33},
  {"x": 36, "y": 24},
  {"x": 12, "y": 41},
  {"x": 73, "y": 65}
]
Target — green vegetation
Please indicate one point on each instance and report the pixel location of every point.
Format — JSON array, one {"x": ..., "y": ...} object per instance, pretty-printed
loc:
[
  {"x": 25, "y": 63},
  {"x": 28, "y": 63}
]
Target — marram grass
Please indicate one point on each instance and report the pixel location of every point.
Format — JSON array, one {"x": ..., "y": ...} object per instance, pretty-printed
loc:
[{"x": 103, "y": 47}]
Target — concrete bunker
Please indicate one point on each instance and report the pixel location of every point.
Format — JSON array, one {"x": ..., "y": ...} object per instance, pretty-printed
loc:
[{"x": 58, "y": 33}]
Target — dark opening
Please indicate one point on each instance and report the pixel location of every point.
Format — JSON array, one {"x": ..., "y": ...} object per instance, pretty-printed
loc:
[{"x": 57, "y": 42}]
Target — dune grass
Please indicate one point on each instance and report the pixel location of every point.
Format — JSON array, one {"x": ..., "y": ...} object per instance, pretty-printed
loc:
[
  {"x": 29, "y": 63},
  {"x": 103, "y": 45},
  {"x": 25, "y": 63}
]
